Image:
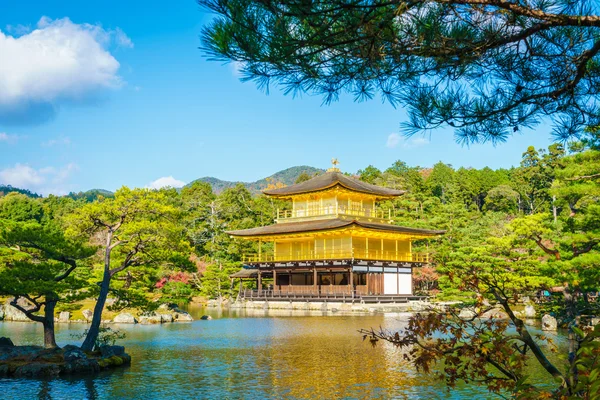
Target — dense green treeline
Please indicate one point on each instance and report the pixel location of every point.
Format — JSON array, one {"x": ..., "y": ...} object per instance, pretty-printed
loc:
[{"x": 469, "y": 203}]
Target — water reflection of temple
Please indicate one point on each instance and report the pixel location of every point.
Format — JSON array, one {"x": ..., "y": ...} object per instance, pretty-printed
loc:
[{"x": 334, "y": 242}]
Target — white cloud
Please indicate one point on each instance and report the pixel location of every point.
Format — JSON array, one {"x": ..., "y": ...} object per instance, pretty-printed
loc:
[
  {"x": 122, "y": 39},
  {"x": 165, "y": 181},
  {"x": 43, "y": 180},
  {"x": 394, "y": 140},
  {"x": 59, "y": 61},
  {"x": 62, "y": 141},
  {"x": 22, "y": 176},
  {"x": 6, "y": 138}
]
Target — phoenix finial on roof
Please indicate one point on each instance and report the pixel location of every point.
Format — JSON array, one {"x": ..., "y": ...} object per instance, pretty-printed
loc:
[{"x": 334, "y": 164}]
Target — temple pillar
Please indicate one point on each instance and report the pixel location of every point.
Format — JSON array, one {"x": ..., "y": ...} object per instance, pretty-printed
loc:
[
  {"x": 274, "y": 279},
  {"x": 259, "y": 282},
  {"x": 351, "y": 281}
]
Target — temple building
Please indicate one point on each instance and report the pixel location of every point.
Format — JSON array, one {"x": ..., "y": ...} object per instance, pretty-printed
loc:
[{"x": 334, "y": 240}]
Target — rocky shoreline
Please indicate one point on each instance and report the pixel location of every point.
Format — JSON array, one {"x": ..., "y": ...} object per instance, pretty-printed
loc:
[
  {"x": 38, "y": 362},
  {"x": 166, "y": 313}
]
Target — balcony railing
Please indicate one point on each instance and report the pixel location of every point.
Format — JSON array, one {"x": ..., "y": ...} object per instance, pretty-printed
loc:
[
  {"x": 334, "y": 254},
  {"x": 332, "y": 210}
]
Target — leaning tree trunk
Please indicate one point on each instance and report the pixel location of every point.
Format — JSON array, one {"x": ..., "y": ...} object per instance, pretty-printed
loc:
[{"x": 94, "y": 329}]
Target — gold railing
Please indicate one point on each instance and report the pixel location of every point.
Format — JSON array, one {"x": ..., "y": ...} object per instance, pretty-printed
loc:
[
  {"x": 334, "y": 211},
  {"x": 336, "y": 255}
]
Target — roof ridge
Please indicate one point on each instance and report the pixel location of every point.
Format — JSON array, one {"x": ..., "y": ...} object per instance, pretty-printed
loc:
[{"x": 331, "y": 179}]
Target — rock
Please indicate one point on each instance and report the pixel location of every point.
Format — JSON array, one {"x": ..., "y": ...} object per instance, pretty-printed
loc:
[
  {"x": 150, "y": 318},
  {"x": 23, "y": 353},
  {"x": 205, "y": 317},
  {"x": 529, "y": 311},
  {"x": 166, "y": 318},
  {"x": 73, "y": 353},
  {"x": 6, "y": 342},
  {"x": 182, "y": 316},
  {"x": 77, "y": 362},
  {"x": 467, "y": 313},
  {"x": 1, "y": 312},
  {"x": 495, "y": 313},
  {"x": 549, "y": 323},
  {"x": 155, "y": 319},
  {"x": 595, "y": 321},
  {"x": 109, "y": 351},
  {"x": 34, "y": 370},
  {"x": 125, "y": 318},
  {"x": 87, "y": 314},
  {"x": 82, "y": 366},
  {"x": 12, "y": 314},
  {"x": 212, "y": 303},
  {"x": 64, "y": 316},
  {"x": 3, "y": 370}
]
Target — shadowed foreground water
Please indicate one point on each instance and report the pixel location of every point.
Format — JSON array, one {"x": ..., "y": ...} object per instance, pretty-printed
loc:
[{"x": 243, "y": 354}]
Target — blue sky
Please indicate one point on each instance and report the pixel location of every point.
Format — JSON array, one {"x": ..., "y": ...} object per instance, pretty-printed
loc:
[{"x": 112, "y": 93}]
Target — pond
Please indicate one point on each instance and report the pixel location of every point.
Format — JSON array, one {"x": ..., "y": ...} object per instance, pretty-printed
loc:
[{"x": 244, "y": 354}]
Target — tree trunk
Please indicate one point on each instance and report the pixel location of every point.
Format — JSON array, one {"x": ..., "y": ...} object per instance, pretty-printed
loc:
[
  {"x": 94, "y": 330},
  {"x": 48, "y": 323},
  {"x": 554, "y": 210}
]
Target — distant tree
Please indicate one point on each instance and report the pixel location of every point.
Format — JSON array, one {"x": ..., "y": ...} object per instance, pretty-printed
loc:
[
  {"x": 533, "y": 181},
  {"x": 502, "y": 198},
  {"x": 370, "y": 174},
  {"x": 19, "y": 208},
  {"x": 303, "y": 177},
  {"x": 90, "y": 195},
  {"x": 486, "y": 68},
  {"x": 441, "y": 181}
]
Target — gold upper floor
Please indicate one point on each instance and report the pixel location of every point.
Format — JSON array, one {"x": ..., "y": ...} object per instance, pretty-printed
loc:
[{"x": 334, "y": 203}]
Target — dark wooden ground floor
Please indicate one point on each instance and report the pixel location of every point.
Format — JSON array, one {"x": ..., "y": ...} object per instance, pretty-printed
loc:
[
  {"x": 331, "y": 279},
  {"x": 324, "y": 295}
]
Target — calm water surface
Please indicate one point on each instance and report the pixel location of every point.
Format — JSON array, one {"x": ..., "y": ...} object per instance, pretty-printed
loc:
[{"x": 244, "y": 355}]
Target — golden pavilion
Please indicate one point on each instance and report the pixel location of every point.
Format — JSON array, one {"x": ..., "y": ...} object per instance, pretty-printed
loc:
[{"x": 334, "y": 241}]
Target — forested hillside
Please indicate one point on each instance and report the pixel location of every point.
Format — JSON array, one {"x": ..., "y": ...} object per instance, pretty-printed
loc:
[{"x": 5, "y": 189}]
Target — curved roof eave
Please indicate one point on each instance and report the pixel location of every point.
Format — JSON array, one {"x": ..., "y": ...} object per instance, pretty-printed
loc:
[{"x": 325, "y": 225}]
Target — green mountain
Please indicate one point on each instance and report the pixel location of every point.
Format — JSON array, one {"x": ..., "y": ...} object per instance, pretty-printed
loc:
[
  {"x": 287, "y": 177},
  {"x": 91, "y": 195}
]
